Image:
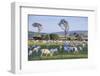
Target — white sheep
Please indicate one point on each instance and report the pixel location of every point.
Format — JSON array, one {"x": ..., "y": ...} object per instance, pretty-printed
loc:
[
  {"x": 55, "y": 50},
  {"x": 45, "y": 52},
  {"x": 36, "y": 49}
]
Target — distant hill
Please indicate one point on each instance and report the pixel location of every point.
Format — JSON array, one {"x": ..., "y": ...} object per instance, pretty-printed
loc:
[
  {"x": 70, "y": 33},
  {"x": 85, "y": 33}
]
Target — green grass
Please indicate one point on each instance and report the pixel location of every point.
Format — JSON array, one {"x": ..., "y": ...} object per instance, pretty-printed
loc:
[{"x": 73, "y": 56}]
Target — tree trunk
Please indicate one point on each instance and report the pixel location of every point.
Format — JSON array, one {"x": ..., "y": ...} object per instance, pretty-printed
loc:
[{"x": 65, "y": 34}]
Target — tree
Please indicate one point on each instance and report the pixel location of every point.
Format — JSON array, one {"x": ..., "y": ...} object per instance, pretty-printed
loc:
[
  {"x": 54, "y": 36},
  {"x": 78, "y": 36},
  {"x": 64, "y": 26},
  {"x": 47, "y": 37},
  {"x": 38, "y": 26},
  {"x": 68, "y": 38}
]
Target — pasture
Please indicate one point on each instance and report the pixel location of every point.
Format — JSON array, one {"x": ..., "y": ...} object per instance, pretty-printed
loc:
[{"x": 59, "y": 54}]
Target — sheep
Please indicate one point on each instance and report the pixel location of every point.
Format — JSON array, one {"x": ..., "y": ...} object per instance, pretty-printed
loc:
[
  {"x": 55, "y": 50},
  {"x": 68, "y": 48},
  {"x": 30, "y": 52},
  {"x": 83, "y": 45},
  {"x": 33, "y": 49},
  {"x": 36, "y": 49},
  {"x": 45, "y": 52},
  {"x": 65, "y": 48},
  {"x": 60, "y": 47},
  {"x": 75, "y": 50},
  {"x": 80, "y": 48}
]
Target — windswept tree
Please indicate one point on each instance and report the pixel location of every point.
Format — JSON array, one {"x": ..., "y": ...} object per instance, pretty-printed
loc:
[
  {"x": 64, "y": 26},
  {"x": 78, "y": 36},
  {"x": 38, "y": 26}
]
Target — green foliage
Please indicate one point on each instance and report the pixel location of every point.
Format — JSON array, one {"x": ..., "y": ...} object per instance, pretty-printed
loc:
[
  {"x": 47, "y": 36},
  {"x": 50, "y": 37},
  {"x": 68, "y": 38},
  {"x": 54, "y": 36}
]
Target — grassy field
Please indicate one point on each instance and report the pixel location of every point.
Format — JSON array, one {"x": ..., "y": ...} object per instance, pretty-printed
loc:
[
  {"x": 60, "y": 55},
  {"x": 71, "y": 56}
]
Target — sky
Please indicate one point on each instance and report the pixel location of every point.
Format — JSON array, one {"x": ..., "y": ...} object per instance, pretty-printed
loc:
[{"x": 50, "y": 23}]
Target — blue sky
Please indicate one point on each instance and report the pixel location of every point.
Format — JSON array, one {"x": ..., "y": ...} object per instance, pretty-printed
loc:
[{"x": 50, "y": 23}]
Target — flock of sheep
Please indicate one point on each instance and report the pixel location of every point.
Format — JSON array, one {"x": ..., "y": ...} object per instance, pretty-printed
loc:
[
  {"x": 51, "y": 51},
  {"x": 46, "y": 52}
]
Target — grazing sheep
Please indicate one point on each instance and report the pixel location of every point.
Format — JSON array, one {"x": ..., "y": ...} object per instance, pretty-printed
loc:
[
  {"x": 75, "y": 50},
  {"x": 65, "y": 48},
  {"x": 36, "y": 49},
  {"x": 55, "y": 50},
  {"x": 68, "y": 48},
  {"x": 80, "y": 48},
  {"x": 31, "y": 48},
  {"x": 45, "y": 52}
]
